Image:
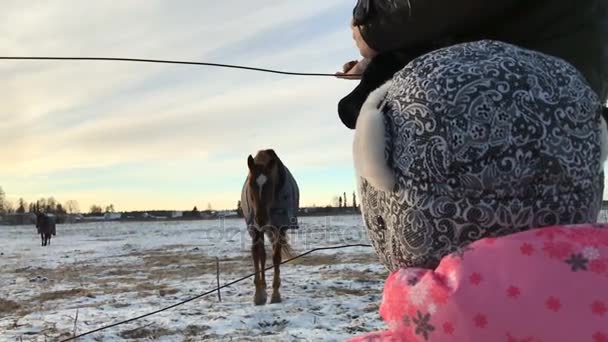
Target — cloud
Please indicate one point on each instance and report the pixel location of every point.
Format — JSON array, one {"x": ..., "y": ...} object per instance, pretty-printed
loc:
[{"x": 75, "y": 128}]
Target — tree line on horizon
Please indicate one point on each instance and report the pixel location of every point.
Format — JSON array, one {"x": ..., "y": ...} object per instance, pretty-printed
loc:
[
  {"x": 51, "y": 205},
  {"x": 48, "y": 205}
]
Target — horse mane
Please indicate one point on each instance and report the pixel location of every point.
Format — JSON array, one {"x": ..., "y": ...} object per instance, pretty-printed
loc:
[{"x": 280, "y": 170}]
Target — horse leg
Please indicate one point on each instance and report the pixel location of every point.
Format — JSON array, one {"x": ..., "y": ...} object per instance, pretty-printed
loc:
[
  {"x": 49, "y": 237},
  {"x": 259, "y": 259},
  {"x": 41, "y": 239},
  {"x": 277, "y": 246}
]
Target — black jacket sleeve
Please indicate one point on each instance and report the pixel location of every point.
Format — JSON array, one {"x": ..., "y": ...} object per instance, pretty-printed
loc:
[{"x": 396, "y": 24}]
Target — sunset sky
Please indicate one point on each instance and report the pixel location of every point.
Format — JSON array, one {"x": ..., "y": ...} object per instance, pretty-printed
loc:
[{"x": 155, "y": 136}]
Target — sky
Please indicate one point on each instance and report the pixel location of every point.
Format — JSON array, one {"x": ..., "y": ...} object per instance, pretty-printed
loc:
[{"x": 156, "y": 136}]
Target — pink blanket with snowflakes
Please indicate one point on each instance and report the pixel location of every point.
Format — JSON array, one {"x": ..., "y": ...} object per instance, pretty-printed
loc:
[{"x": 548, "y": 284}]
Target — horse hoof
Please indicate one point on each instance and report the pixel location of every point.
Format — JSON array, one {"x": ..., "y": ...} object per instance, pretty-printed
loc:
[
  {"x": 260, "y": 298},
  {"x": 276, "y": 298}
]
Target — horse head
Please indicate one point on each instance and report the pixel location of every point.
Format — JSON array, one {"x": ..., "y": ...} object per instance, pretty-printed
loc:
[
  {"x": 40, "y": 217},
  {"x": 264, "y": 182}
]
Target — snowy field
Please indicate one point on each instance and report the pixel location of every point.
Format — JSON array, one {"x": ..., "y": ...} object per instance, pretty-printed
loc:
[{"x": 108, "y": 272}]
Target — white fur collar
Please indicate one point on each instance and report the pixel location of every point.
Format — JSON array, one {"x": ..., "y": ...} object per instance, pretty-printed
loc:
[
  {"x": 369, "y": 143},
  {"x": 603, "y": 143}
]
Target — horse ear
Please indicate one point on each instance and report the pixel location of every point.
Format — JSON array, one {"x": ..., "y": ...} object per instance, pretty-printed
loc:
[
  {"x": 274, "y": 158},
  {"x": 273, "y": 154},
  {"x": 250, "y": 162}
]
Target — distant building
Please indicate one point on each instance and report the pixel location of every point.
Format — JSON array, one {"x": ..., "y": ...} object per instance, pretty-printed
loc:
[
  {"x": 208, "y": 214},
  {"x": 112, "y": 216},
  {"x": 18, "y": 219},
  {"x": 74, "y": 218},
  {"x": 228, "y": 213},
  {"x": 153, "y": 217},
  {"x": 93, "y": 218}
]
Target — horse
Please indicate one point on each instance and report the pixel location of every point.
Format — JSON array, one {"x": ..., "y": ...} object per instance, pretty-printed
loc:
[
  {"x": 45, "y": 225},
  {"x": 270, "y": 202}
]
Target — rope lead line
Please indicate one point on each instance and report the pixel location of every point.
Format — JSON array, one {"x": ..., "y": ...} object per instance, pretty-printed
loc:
[
  {"x": 141, "y": 60},
  {"x": 209, "y": 292}
]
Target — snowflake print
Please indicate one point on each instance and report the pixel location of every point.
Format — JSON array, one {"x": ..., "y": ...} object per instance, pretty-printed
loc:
[
  {"x": 527, "y": 249},
  {"x": 432, "y": 308},
  {"x": 599, "y": 308},
  {"x": 549, "y": 234},
  {"x": 513, "y": 292},
  {"x": 418, "y": 294},
  {"x": 481, "y": 321},
  {"x": 448, "y": 328},
  {"x": 553, "y": 304},
  {"x": 591, "y": 253},
  {"x": 583, "y": 237},
  {"x": 423, "y": 325},
  {"x": 475, "y": 278},
  {"x": 558, "y": 250},
  {"x": 578, "y": 262}
]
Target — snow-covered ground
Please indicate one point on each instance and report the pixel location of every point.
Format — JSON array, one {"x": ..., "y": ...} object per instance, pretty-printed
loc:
[{"x": 108, "y": 272}]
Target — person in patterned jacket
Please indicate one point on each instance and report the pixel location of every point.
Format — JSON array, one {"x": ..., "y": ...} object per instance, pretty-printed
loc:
[{"x": 480, "y": 169}]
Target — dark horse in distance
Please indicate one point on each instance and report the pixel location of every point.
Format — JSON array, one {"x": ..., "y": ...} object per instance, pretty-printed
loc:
[
  {"x": 45, "y": 224},
  {"x": 270, "y": 203}
]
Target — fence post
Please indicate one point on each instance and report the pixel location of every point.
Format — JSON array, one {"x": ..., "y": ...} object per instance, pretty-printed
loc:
[
  {"x": 217, "y": 266},
  {"x": 75, "y": 323}
]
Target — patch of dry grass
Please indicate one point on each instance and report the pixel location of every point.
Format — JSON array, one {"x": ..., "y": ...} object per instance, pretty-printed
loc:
[
  {"x": 63, "y": 294},
  {"x": 123, "y": 271},
  {"x": 195, "y": 330},
  {"x": 362, "y": 276},
  {"x": 120, "y": 305},
  {"x": 336, "y": 259},
  {"x": 154, "y": 269},
  {"x": 167, "y": 291},
  {"x": 341, "y": 291},
  {"x": 316, "y": 260},
  {"x": 145, "y": 278},
  {"x": 146, "y": 333},
  {"x": 372, "y": 308},
  {"x": 8, "y": 306}
]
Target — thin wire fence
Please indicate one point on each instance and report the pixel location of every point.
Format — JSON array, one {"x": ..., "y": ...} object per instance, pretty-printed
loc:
[
  {"x": 232, "y": 66},
  {"x": 144, "y": 60},
  {"x": 209, "y": 292}
]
